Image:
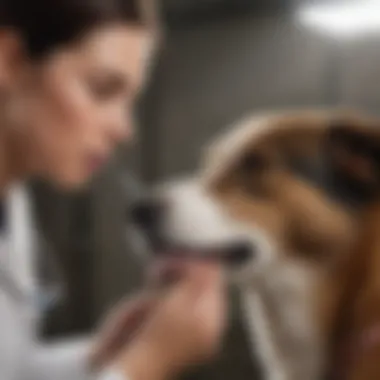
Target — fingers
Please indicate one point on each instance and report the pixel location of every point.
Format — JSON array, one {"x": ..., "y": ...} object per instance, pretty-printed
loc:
[
  {"x": 166, "y": 272},
  {"x": 121, "y": 326},
  {"x": 202, "y": 278},
  {"x": 128, "y": 313},
  {"x": 212, "y": 299},
  {"x": 186, "y": 321},
  {"x": 201, "y": 293},
  {"x": 169, "y": 271}
]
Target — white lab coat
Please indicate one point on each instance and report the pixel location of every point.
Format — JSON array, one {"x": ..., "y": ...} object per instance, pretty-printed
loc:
[{"x": 22, "y": 356}]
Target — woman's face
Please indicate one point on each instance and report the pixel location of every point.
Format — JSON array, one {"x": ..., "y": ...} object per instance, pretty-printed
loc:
[{"x": 68, "y": 112}]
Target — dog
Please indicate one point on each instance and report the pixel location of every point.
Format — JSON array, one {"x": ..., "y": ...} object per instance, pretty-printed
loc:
[{"x": 290, "y": 198}]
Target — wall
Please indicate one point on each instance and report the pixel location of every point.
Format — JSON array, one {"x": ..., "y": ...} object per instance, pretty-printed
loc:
[{"x": 215, "y": 73}]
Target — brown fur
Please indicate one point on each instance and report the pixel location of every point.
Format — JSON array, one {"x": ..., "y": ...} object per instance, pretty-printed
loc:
[
  {"x": 310, "y": 227},
  {"x": 360, "y": 300}
]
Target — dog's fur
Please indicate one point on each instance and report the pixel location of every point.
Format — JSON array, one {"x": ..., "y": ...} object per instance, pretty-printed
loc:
[{"x": 257, "y": 183}]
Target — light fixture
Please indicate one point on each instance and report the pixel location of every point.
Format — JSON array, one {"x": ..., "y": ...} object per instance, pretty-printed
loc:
[{"x": 343, "y": 19}]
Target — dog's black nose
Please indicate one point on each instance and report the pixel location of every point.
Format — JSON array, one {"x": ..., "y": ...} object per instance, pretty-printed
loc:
[
  {"x": 146, "y": 214},
  {"x": 239, "y": 253}
]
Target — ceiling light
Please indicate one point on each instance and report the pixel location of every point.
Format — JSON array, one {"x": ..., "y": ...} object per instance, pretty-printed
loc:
[{"x": 344, "y": 19}]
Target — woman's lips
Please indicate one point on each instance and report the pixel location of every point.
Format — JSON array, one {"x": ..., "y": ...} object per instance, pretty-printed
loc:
[{"x": 95, "y": 162}]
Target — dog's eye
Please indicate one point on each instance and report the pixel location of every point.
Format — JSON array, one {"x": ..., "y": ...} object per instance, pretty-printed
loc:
[
  {"x": 252, "y": 174},
  {"x": 253, "y": 163}
]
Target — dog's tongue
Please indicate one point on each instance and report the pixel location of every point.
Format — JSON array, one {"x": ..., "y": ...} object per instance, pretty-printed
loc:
[
  {"x": 165, "y": 271},
  {"x": 170, "y": 268}
]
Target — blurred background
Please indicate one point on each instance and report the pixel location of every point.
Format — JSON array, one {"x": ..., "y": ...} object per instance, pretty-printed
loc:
[{"x": 220, "y": 60}]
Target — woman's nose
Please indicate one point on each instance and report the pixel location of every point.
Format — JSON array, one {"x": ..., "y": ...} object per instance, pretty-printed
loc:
[{"x": 120, "y": 128}]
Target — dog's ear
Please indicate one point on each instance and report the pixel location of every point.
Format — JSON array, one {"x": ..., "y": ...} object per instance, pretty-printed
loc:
[{"x": 354, "y": 155}]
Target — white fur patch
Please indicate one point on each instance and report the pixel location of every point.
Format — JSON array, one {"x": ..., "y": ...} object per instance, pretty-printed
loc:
[
  {"x": 261, "y": 337},
  {"x": 279, "y": 314},
  {"x": 194, "y": 218}
]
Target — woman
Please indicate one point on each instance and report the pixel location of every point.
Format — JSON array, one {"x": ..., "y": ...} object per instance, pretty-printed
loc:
[{"x": 69, "y": 72}]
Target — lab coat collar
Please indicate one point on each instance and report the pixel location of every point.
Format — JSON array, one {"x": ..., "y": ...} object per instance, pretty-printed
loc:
[{"x": 20, "y": 237}]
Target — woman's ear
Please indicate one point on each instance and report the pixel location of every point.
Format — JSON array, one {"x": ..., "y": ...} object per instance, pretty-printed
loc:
[
  {"x": 354, "y": 153},
  {"x": 12, "y": 58}
]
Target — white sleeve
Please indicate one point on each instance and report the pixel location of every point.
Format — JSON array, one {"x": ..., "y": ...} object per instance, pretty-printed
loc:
[
  {"x": 61, "y": 361},
  {"x": 65, "y": 361},
  {"x": 111, "y": 374}
]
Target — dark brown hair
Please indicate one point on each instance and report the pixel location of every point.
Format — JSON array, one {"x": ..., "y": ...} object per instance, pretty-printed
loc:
[{"x": 48, "y": 24}]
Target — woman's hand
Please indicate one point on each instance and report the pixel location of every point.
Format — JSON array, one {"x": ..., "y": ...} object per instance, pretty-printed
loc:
[
  {"x": 119, "y": 327},
  {"x": 185, "y": 327}
]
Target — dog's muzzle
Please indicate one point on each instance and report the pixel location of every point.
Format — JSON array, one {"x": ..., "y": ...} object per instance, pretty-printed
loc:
[{"x": 148, "y": 216}]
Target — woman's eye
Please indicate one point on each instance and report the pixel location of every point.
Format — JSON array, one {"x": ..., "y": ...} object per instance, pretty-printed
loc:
[{"x": 106, "y": 88}]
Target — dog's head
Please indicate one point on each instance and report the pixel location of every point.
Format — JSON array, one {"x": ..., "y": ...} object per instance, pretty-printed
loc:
[{"x": 278, "y": 189}]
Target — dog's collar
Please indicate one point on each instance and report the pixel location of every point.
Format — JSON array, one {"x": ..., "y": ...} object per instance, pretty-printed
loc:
[{"x": 354, "y": 348}]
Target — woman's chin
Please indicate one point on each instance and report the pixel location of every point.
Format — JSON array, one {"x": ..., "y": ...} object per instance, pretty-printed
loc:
[{"x": 71, "y": 182}]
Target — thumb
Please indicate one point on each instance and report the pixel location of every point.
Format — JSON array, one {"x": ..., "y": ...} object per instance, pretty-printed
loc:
[
  {"x": 201, "y": 279},
  {"x": 212, "y": 295},
  {"x": 121, "y": 325}
]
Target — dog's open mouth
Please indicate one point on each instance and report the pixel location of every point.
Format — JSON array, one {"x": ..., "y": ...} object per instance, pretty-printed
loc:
[
  {"x": 147, "y": 217},
  {"x": 232, "y": 254},
  {"x": 171, "y": 259}
]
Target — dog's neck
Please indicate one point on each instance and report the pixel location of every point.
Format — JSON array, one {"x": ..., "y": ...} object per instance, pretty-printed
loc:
[
  {"x": 358, "y": 305},
  {"x": 280, "y": 316},
  {"x": 349, "y": 303}
]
